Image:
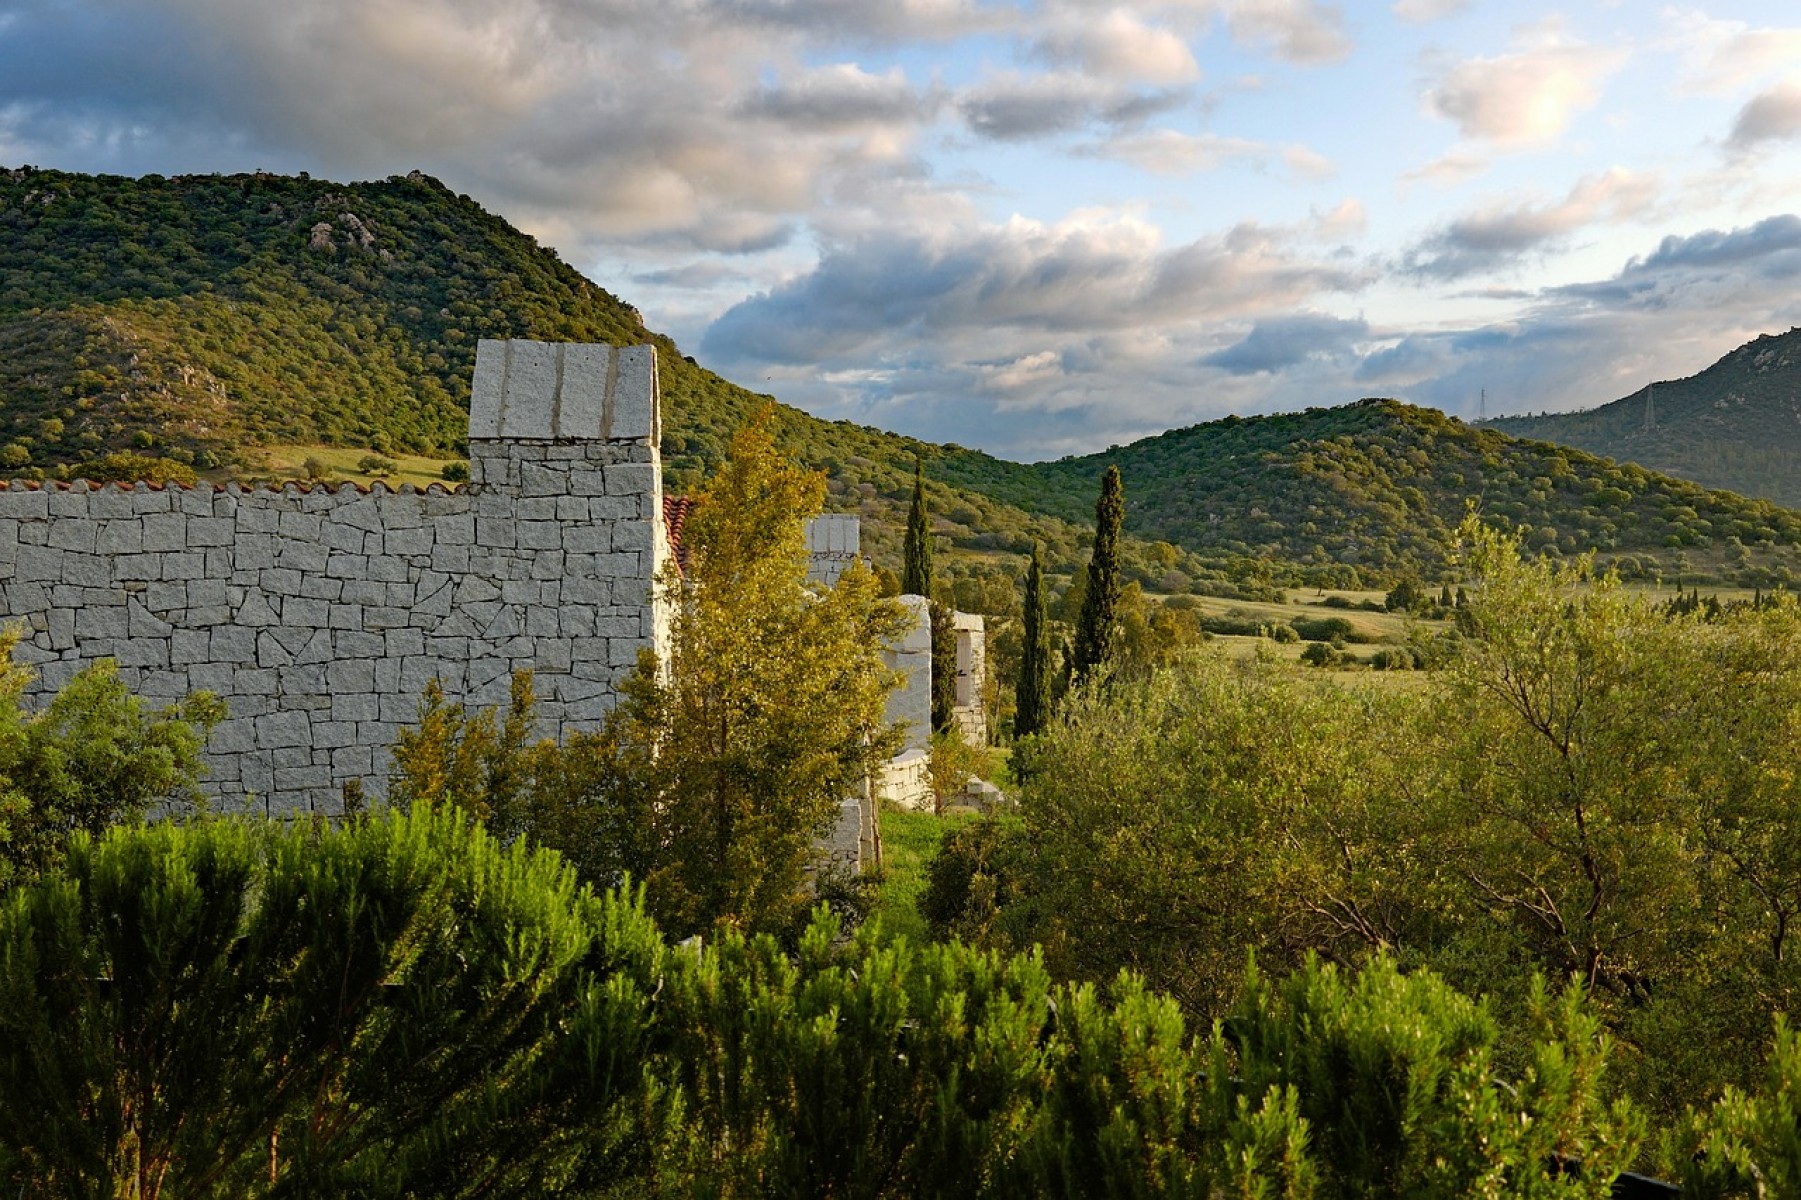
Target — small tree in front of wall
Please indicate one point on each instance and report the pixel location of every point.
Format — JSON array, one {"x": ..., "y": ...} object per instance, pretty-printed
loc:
[{"x": 944, "y": 666}]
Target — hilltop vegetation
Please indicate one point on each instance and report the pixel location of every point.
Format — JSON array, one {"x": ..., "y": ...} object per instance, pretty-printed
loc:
[
  {"x": 197, "y": 318},
  {"x": 190, "y": 321},
  {"x": 1736, "y": 425},
  {"x": 1380, "y": 487}
]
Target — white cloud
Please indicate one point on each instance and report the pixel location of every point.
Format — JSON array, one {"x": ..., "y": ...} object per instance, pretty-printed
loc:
[
  {"x": 1308, "y": 163},
  {"x": 1011, "y": 106},
  {"x": 1449, "y": 169},
  {"x": 872, "y": 21},
  {"x": 1528, "y": 97},
  {"x": 1722, "y": 57},
  {"x": 1419, "y": 12},
  {"x": 1280, "y": 343},
  {"x": 1666, "y": 314},
  {"x": 715, "y": 123},
  {"x": 1171, "y": 152},
  {"x": 1348, "y": 219},
  {"x": 842, "y": 96},
  {"x": 1301, "y": 31},
  {"x": 1119, "y": 44},
  {"x": 1502, "y": 235},
  {"x": 997, "y": 327}
]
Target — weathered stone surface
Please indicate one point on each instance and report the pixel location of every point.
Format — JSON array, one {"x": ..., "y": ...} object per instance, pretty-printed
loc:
[{"x": 319, "y": 614}]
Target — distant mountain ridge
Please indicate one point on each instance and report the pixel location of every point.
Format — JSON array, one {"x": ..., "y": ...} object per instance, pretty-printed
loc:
[
  {"x": 1381, "y": 486},
  {"x": 1735, "y": 425},
  {"x": 198, "y": 317}
]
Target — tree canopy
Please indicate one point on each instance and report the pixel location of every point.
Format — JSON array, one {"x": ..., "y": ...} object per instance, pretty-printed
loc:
[{"x": 722, "y": 766}]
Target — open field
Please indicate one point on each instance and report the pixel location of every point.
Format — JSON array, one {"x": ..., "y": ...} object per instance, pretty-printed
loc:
[{"x": 343, "y": 463}]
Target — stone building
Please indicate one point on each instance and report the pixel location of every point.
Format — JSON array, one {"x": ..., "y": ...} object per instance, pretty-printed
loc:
[{"x": 319, "y": 613}]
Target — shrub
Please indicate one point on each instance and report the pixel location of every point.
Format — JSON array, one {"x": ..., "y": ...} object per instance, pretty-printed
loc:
[
  {"x": 1396, "y": 1078},
  {"x": 1747, "y": 1145},
  {"x": 121, "y": 467},
  {"x": 1324, "y": 629},
  {"x": 375, "y": 464},
  {"x": 456, "y": 472},
  {"x": 972, "y": 880}
]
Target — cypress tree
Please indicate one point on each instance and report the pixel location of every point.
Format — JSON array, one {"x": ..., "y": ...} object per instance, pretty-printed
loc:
[
  {"x": 944, "y": 665},
  {"x": 916, "y": 551},
  {"x": 1034, "y": 696},
  {"x": 1094, "y": 629}
]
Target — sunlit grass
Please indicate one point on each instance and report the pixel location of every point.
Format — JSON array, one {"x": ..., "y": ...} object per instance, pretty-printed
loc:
[
  {"x": 342, "y": 463},
  {"x": 910, "y": 840}
]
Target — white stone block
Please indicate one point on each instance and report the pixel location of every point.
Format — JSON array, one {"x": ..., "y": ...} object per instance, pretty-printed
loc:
[{"x": 634, "y": 396}]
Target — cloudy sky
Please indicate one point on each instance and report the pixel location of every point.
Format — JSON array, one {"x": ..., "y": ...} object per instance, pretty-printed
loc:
[{"x": 1034, "y": 226}]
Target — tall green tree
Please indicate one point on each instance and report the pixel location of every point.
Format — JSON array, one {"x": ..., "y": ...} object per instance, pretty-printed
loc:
[
  {"x": 772, "y": 711},
  {"x": 1034, "y": 695},
  {"x": 943, "y": 624},
  {"x": 1094, "y": 628},
  {"x": 916, "y": 580},
  {"x": 916, "y": 550},
  {"x": 720, "y": 769}
]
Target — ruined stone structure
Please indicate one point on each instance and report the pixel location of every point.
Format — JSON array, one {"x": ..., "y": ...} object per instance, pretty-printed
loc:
[
  {"x": 905, "y": 780},
  {"x": 319, "y": 614},
  {"x": 971, "y": 709}
]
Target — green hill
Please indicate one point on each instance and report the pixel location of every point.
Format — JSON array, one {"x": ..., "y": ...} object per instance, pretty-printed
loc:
[
  {"x": 198, "y": 318},
  {"x": 1736, "y": 425},
  {"x": 1380, "y": 486}
]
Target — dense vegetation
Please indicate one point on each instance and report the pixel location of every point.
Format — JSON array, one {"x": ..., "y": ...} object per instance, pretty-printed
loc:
[
  {"x": 403, "y": 1007},
  {"x": 189, "y": 320},
  {"x": 1586, "y": 816},
  {"x": 192, "y": 319},
  {"x": 1736, "y": 425},
  {"x": 717, "y": 772},
  {"x": 1374, "y": 491},
  {"x": 90, "y": 758},
  {"x": 1590, "y": 787}
]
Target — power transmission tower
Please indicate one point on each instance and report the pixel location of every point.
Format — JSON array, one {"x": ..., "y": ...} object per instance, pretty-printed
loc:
[
  {"x": 1482, "y": 407},
  {"x": 1650, "y": 409}
]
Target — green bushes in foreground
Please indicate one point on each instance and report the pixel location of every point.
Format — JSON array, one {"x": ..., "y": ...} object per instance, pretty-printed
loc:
[{"x": 406, "y": 1008}]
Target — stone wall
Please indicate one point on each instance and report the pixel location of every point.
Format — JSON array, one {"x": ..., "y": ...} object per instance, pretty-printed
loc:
[
  {"x": 970, "y": 712},
  {"x": 320, "y": 614}
]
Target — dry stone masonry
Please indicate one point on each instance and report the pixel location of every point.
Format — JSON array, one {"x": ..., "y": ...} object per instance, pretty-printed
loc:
[{"x": 320, "y": 614}]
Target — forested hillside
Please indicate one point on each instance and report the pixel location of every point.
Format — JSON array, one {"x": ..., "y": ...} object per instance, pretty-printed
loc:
[
  {"x": 1381, "y": 486},
  {"x": 1736, "y": 425},
  {"x": 194, "y": 319}
]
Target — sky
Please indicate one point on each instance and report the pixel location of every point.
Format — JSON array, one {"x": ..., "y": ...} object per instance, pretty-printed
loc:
[{"x": 1038, "y": 227}]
